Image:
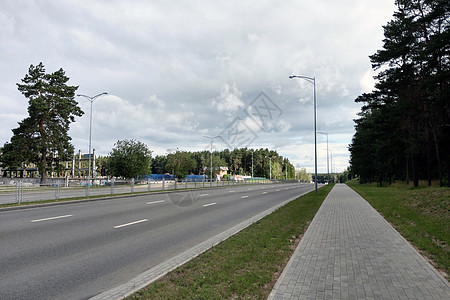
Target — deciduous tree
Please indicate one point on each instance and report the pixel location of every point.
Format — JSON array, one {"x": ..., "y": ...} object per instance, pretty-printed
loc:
[{"x": 130, "y": 159}]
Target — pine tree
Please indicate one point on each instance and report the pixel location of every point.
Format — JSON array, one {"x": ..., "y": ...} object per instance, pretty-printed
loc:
[
  {"x": 42, "y": 138},
  {"x": 407, "y": 116}
]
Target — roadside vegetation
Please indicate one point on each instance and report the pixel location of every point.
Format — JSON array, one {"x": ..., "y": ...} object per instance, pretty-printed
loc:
[
  {"x": 245, "y": 266},
  {"x": 421, "y": 215},
  {"x": 403, "y": 128}
]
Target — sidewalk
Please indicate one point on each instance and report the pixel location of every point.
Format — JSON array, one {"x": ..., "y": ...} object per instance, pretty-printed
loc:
[{"x": 350, "y": 252}]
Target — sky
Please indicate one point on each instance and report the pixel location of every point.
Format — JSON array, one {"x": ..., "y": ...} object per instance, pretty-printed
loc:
[{"x": 177, "y": 71}]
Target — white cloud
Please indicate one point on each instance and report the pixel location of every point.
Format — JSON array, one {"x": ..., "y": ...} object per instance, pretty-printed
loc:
[
  {"x": 229, "y": 100},
  {"x": 367, "y": 82},
  {"x": 178, "y": 71}
]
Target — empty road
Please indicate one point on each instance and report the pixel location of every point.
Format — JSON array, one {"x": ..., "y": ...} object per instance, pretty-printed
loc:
[{"x": 76, "y": 251}]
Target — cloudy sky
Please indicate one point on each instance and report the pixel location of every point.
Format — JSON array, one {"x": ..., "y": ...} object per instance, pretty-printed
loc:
[{"x": 177, "y": 71}]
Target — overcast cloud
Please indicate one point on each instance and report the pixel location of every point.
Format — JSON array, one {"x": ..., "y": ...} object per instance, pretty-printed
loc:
[{"x": 178, "y": 70}]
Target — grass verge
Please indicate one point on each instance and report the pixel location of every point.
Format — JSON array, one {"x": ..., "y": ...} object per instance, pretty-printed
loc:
[
  {"x": 245, "y": 266},
  {"x": 421, "y": 215}
]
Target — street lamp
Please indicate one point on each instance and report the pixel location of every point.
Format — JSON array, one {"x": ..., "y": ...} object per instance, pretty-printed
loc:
[
  {"x": 313, "y": 81},
  {"x": 286, "y": 169},
  {"x": 331, "y": 159},
  {"x": 91, "y": 99},
  {"x": 252, "y": 161},
  {"x": 270, "y": 166},
  {"x": 328, "y": 166},
  {"x": 211, "y": 139}
]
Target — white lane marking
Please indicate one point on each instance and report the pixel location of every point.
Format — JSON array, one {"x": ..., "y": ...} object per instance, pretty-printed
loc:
[
  {"x": 230, "y": 191},
  {"x": 203, "y": 195},
  {"x": 154, "y": 202},
  {"x": 244, "y": 197},
  {"x": 264, "y": 193},
  {"x": 277, "y": 190},
  {"x": 249, "y": 189},
  {"x": 132, "y": 223},
  {"x": 209, "y": 204},
  {"x": 51, "y": 218}
]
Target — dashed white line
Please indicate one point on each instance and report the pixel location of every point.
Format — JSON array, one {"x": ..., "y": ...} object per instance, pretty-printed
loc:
[
  {"x": 244, "y": 197},
  {"x": 264, "y": 193},
  {"x": 51, "y": 218},
  {"x": 277, "y": 190},
  {"x": 132, "y": 223},
  {"x": 230, "y": 191},
  {"x": 209, "y": 204},
  {"x": 203, "y": 195},
  {"x": 154, "y": 202}
]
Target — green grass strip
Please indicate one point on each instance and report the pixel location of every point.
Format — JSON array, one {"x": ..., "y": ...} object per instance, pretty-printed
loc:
[
  {"x": 245, "y": 266},
  {"x": 421, "y": 215}
]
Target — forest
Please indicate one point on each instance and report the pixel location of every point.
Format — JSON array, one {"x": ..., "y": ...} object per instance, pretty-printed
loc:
[{"x": 402, "y": 132}]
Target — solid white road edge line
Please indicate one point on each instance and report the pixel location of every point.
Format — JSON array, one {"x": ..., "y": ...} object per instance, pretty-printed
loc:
[
  {"x": 51, "y": 218},
  {"x": 132, "y": 223}
]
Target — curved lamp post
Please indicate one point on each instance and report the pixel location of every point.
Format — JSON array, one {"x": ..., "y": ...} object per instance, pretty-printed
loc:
[
  {"x": 91, "y": 99},
  {"x": 313, "y": 81}
]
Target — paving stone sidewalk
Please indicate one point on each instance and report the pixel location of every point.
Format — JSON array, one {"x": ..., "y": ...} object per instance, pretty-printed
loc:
[{"x": 350, "y": 252}]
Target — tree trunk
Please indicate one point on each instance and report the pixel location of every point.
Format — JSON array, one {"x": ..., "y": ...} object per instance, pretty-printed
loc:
[
  {"x": 428, "y": 161},
  {"x": 448, "y": 175},
  {"x": 43, "y": 167},
  {"x": 436, "y": 147},
  {"x": 407, "y": 170},
  {"x": 415, "y": 177}
]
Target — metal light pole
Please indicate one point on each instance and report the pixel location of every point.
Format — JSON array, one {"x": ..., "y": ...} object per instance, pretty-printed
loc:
[
  {"x": 286, "y": 169},
  {"x": 270, "y": 166},
  {"x": 91, "y": 99},
  {"x": 313, "y": 81},
  {"x": 331, "y": 159},
  {"x": 211, "y": 139},
  {"x": 328, "y": 166},
  {"x": 252, "y": 161}
]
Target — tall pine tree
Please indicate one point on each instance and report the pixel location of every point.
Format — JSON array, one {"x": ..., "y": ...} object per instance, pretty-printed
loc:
[
  {"x": 409, "y": 110},
  {"x": 42, "y": 138}
]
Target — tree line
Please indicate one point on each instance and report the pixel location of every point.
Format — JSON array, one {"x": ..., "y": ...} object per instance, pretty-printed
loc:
[
  {"x": 130, "y": 158},
  {"x": 403, "y": 128}
]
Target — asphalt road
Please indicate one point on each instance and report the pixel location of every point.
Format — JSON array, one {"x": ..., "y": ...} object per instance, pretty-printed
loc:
[{"x": 76, "y": 251}]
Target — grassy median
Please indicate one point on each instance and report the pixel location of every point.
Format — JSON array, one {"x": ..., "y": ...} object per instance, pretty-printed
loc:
[
  {"x": 421, "y": 215},
  {"x": 245, "y": 266}
]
